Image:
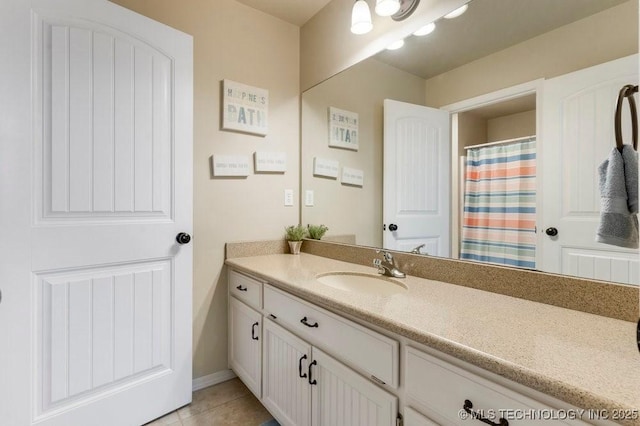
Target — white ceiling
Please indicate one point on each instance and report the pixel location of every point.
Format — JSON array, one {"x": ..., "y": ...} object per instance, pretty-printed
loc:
[{"x": 296, "y": 12}]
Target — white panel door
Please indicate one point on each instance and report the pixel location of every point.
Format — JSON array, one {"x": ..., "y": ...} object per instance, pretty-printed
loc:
[
  {"x": 96, "y": 161},
  {"x": 417, "y": 181},
  {"x": 341, "y": 397},
  {"x": 578, "y": 134},
  {"x": 286, "y": 390},
  {"x": 245, "y": 344}
]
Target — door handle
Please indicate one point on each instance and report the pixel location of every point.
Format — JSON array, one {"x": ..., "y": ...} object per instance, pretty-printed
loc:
[
  {"x": 300, "y": 373},
  {"x": 183, "y": 238},
  {"x": 552, "y": 232},
  {"x": 305, "y": 322},
  {"x": 311, "y": 380},
  {"x": 253, "y": 331},
  {"x": 468, "y": 405},
  {"x": 393, "y": 227}
]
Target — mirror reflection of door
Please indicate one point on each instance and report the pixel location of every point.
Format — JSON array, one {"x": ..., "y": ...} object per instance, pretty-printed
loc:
[
  {"x": 416, "y": 187},
  {"x": 578, "y": 118}
]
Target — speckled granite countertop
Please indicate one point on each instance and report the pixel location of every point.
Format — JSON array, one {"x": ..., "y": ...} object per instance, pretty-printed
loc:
[{"x": 586, "y": 360}]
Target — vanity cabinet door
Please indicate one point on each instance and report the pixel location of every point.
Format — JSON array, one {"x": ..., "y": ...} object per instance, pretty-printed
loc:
[
  {"x": 340, "y": 396},
  {"x": 287, "y": 392},
  {"x": 245, "y": 351}
]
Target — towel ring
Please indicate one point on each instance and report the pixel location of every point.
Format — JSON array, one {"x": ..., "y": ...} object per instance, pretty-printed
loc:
[{"x": 627, "y": 92}]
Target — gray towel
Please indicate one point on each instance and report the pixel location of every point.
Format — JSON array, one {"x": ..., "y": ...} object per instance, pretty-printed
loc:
[{"x": 619, "y": 199}]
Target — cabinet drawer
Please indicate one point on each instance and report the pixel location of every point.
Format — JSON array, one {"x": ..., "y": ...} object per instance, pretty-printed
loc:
[
  {"x": 442, "y": 389},
  {"x": 245, "y": 288},
  {"x": 413, "y": 418},
  {"x": 363, "y": 349}
]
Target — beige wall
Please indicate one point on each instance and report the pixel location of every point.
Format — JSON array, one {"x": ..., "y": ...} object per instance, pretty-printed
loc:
[
  {"x": 602, "y": 37},
  {"x": 327, "y": 45},
  {"x": 511, "y": 126},
  {"x": 232, "y": 41},
  {"x": 361, "y": 89}
]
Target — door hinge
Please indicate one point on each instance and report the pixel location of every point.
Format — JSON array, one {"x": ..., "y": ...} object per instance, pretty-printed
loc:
[{"x": 399, "y": 421}]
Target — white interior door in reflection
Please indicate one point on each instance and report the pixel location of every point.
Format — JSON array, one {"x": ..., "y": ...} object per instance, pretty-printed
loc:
[
  {"x": 416, "y": 187},
  {"x": 578, "y": 135}
]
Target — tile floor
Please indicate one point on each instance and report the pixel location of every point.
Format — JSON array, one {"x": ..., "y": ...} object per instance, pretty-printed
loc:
[{"x": 226, "y": 404}]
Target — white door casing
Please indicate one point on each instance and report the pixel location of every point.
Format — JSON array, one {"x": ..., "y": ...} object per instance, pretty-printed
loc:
[
  {"x": 417, "y": 181},
  {"x": 96, "y": 184},
  {"x": 578, "y": 134}
]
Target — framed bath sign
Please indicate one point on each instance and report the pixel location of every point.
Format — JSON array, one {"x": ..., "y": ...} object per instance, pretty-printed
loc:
[
  {"x": 343, "y": 129},
  {"x": 244, "y": 108}
]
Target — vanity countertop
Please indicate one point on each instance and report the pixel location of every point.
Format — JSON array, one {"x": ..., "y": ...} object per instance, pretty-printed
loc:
[{"x": 586, "y": 360}]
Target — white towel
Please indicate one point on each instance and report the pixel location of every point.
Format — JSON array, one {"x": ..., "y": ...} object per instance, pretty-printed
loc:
[{"x": 619, "y": 199}]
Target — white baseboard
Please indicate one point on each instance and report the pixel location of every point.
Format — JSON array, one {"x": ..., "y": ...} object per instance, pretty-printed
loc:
[{"x": 212, "y": 379}]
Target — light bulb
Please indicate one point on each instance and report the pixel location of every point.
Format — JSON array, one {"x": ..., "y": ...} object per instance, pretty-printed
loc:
[
  {"x": 459, "y": 11},
  {"x": 361, "y": 18},
  {"x": 387, "y": 7},
  {"x": 396, "y": 45},
  {"x": 427, "y": 29}
]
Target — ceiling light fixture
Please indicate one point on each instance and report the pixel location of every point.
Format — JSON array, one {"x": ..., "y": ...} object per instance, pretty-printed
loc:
[
  {"x": 398, "y": 10},
  {"x": 361, "y": 18},
  {"x": 396, "y": 45},
  {"x": 459, "y": 11},
  {"x": 387, "y": 7},
  {"x": 427, "y": 29}
]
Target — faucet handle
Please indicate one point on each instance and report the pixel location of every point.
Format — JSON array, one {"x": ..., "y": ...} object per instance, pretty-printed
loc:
[{"x": 387, "y": 256}]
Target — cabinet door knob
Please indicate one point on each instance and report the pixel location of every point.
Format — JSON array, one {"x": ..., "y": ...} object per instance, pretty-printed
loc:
[
  {"x": 183, "y": 238},
  {"x": 312, "y": 381},
  {"x": 468, "y": 405},
  {"x": 300, "y": 373},
  {"x": 241, "y": 288},
  {"x": 253, "y": 331},
  {"x": 305, "y": 322}
]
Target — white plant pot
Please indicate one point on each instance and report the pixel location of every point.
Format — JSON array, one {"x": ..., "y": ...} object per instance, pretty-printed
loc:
[{"x": 294, "y": 246}]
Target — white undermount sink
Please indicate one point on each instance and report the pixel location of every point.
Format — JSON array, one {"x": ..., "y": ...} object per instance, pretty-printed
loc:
[{"x": 362, "y": 283}]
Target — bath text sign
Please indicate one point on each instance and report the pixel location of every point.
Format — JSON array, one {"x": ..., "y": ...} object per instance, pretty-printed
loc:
[
  {"x": 244, "y": 108},
  {"x": 343, "y": 129}
]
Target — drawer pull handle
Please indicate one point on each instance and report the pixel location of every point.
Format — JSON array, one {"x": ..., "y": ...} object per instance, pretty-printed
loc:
[
  {"x": 304, "y": 321},
  {"x": 300, "y": 373},
  {"x": 468, "y": 405},
  {"x": 253, "y": 331},
  {"x": 312, "y": 381},
  {"x": 241, "y": 288}
]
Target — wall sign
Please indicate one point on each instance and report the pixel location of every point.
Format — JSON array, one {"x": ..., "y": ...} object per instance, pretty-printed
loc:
[
  {"x": 352, "y": 177},
  {"x": 270, "y": 162},
  {"x": 244, "y": 108},
  {"x": 343, "y": 129},
  {"x": 325, "y": 168},
  {"x": 231, "y": 165}
]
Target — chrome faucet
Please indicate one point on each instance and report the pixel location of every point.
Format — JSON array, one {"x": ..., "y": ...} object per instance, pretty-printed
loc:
[
  {"x": 417, "y": 249},
  {"x": 387, "y": 266}
]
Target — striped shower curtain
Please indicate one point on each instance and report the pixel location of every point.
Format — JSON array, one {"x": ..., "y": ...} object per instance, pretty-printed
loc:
[{"x": 500, "y": 205}]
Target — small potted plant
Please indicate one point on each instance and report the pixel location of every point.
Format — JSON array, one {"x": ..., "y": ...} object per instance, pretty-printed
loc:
[
  {"x": 316, "y": 232},
  {"x": 294, "y": 235}
]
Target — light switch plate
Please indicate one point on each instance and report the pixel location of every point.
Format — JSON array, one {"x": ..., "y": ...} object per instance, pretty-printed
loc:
[
  {"x": 308, "y": 198},
  {"x": 288, "y": 197}
]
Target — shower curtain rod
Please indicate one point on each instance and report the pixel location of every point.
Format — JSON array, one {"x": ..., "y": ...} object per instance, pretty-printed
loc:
[{"x": 522, "y": 139}]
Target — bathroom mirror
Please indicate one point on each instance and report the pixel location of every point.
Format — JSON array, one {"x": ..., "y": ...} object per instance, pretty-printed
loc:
[{"x": 496, "y": 45}]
